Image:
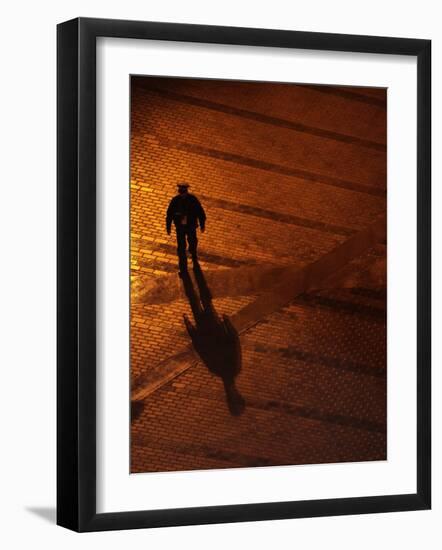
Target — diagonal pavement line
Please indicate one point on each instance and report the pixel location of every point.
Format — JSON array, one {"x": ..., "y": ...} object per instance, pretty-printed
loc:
[
  {"x": 266, "y": 119},
  {"x": 292, "y": 282},
  {"x": 163, "y": 372},
  {"x": 246, "y": 280},
  {"x": 309, "y": 277},
  {"x": 239, "y": 281},
  {"x": 299, "y": 173}
]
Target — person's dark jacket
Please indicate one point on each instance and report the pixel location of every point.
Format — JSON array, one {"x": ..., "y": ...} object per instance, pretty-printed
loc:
[{"x": 188, "y": 208}]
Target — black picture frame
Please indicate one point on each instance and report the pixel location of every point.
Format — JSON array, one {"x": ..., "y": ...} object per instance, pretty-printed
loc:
[{"x": 77, "y": 287}]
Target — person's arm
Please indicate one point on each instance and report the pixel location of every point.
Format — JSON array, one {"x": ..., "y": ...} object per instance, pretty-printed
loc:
[
  {"x": 201, "y": 215},
  {"x": 169, "y": 216}
]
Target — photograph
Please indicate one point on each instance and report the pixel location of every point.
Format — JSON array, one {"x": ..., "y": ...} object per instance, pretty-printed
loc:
[{"x": 258, "y": 274}]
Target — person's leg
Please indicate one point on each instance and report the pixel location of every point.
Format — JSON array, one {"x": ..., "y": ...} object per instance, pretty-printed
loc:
[
  {"x": 193, "y": 243},
  {"x": 181, "y": 248}
]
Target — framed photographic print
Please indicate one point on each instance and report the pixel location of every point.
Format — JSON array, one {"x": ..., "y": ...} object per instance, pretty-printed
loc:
[{"x": 243, "y": 274}]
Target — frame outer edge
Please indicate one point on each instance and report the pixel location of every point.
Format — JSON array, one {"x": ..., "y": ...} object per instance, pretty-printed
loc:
[
  {"x": 67, "y": 265},
  {"x": 87, "y": 287},
  {"x": 76, "y": 309},
  {"x": 250, "y": 36},
  {"x": 424, "y": 275}
]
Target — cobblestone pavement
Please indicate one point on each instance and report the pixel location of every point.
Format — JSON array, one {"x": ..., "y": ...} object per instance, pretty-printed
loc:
[{"x": 287, "y": 175}]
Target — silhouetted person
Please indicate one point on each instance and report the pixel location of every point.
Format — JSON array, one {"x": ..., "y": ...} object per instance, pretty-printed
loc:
[
  {"x": 185, "y": 211},
  {"x": 215, "y": 339}
]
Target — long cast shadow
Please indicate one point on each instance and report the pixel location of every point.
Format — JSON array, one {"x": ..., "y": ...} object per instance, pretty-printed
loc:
[{"x": 214, "y": 338}]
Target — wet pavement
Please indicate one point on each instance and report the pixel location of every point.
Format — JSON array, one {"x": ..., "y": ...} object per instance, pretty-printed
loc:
[{"x": 294, "y": 254}]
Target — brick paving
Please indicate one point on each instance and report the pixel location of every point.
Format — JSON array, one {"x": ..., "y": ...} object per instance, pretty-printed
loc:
[{"x": 287, "y": 174}]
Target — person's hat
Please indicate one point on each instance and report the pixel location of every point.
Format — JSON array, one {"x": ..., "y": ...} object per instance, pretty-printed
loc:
[{"x": 183, "y": 184}]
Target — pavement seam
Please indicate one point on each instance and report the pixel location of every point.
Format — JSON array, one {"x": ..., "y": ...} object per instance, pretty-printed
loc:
[{"x": 272, "y": 167}]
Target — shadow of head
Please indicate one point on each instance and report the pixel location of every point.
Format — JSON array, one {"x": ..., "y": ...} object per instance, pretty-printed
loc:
[{"x": 235, "y": 401}]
